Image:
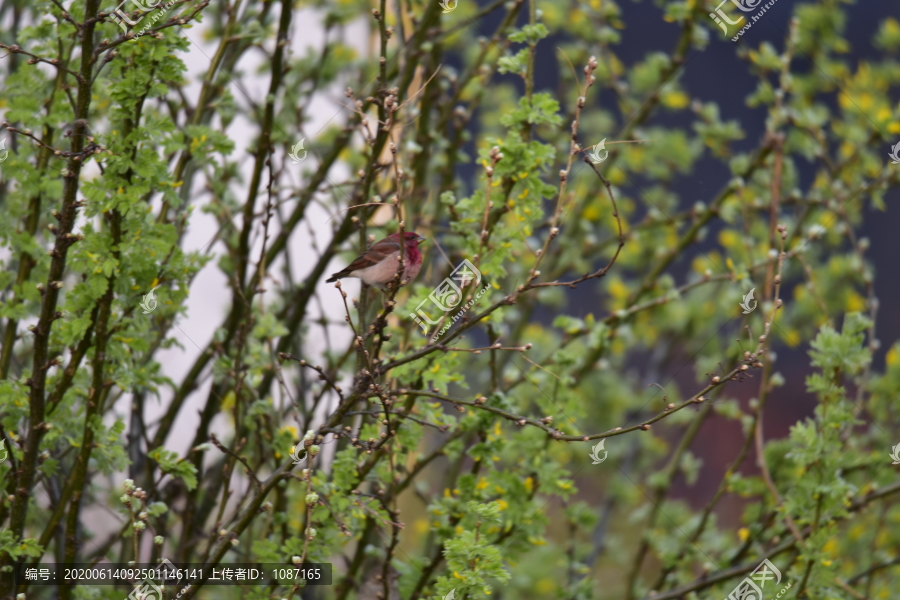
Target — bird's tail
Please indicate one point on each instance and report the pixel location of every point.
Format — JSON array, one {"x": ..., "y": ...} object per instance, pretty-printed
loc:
[{"x": 335, "y": 276}]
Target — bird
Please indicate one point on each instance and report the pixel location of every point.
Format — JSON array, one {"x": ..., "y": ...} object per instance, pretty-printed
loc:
[{"x": 379, "y": 264}]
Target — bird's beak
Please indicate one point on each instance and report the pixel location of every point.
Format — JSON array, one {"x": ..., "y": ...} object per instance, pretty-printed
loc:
[{"x": 420, "y": 239}]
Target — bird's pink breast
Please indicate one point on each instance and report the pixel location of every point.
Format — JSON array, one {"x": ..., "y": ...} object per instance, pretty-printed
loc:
[{"x": 412, "y": 253}]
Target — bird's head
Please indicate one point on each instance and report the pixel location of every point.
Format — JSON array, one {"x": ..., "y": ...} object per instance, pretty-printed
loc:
[{"x": 410, "y": 238}]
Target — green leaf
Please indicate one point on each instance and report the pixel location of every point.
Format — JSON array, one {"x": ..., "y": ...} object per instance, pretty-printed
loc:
[{"x": 178, "y": 467}]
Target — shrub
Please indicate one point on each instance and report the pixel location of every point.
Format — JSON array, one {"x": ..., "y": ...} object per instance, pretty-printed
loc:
[{"x": 430, "y": 440}]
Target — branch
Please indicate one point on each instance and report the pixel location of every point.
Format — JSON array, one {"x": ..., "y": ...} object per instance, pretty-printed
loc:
[
  {"x": 707, "y": 581},
  {"x": 50, "y": 296}
]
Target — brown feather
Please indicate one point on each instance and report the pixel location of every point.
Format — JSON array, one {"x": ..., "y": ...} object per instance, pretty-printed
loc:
[{"x": 378, "y": 252}]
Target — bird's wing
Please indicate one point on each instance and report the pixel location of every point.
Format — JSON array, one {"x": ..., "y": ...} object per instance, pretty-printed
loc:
[{"x": 377, "y": 253}]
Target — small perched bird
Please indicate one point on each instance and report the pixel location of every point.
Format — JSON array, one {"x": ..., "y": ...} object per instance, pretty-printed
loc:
[{"x": 378, "y": 266}]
